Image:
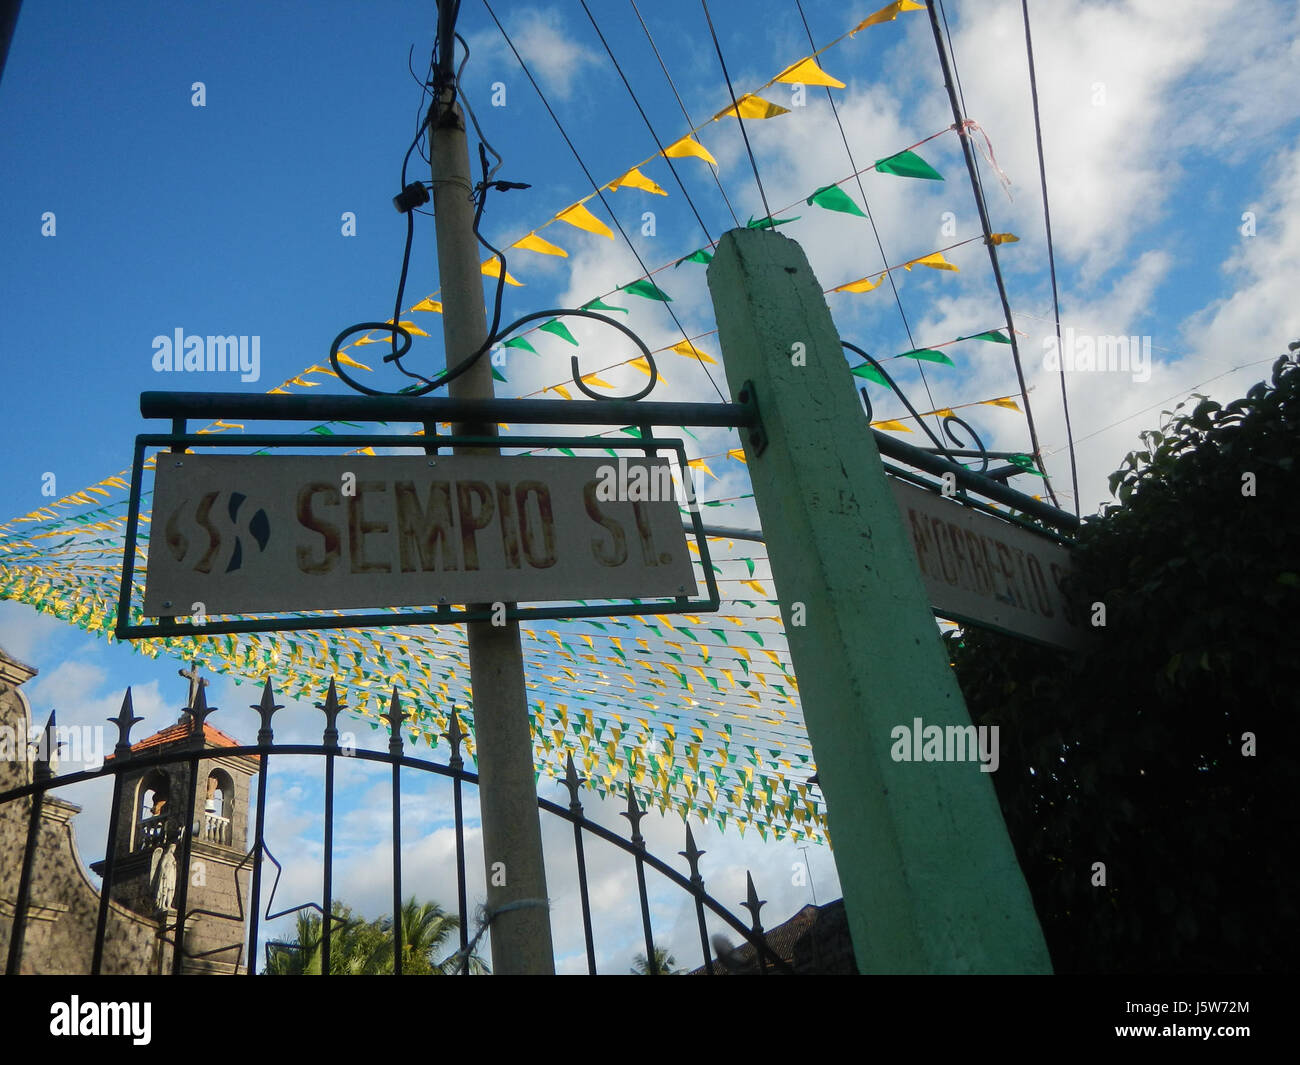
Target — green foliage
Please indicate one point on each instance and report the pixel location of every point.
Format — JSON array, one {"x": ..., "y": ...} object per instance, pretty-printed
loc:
[
  {"x": 1131, "y": 751},
  {"x": 365, "y": 948},
  {"x": 664, "y": 962}
]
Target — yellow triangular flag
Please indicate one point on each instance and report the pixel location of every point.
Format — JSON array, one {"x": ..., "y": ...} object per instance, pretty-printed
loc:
[
  {"x": 699, "y": 464},
  {"x": 809, "y": 73},
  {"x": 644, "y": 366},
  {"x": 751, "y": 106},
  {"x": 580, "y": 218},
  {"x": 688, "y": 145},
  {"x": 634, "y": 179},
  {"x": 936, "y": 261},
  {"x": 892, "y": 427},
  {"x": 492, "y": 268},
  {"x": 691, "y": 351},
  {"x": 887, "y": 14},
  {"x": 347, "y": 360},
  {"x": 558, "y": 388},
  {"x": 1003, "y": 238},
  {"x": 737, "y": 453},
  {"x": 1005, "y": 401},
  {"x": 428, "y": 305},
  {"x": 411, "y": 327},
  {"x": 864, "y": 284},
  {"x": 533, "y": 242},
  {"x": 593, "y": 379}
]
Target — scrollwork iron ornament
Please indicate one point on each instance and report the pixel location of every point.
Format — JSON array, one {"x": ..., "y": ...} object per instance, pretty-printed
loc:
[
  {"x": 981, "y": 452},
  {"x": 496, "y": 334}
]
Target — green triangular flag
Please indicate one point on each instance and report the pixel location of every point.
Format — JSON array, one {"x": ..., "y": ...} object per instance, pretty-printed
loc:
[
  {"x": 701, "y": 256},
  {"x": 600, "y": 305},
  {"x": 769, "y": 222},
  {"x": 498, "y": 375},
  {"x": 870, "y": 373},
  {"x": 1025, "y": 463},
  {"x": 647, "y": 290},
  {"x": 519, "y": 342},
  {"x": 992, "y": 334},
  {"x": 908, "y": 164},
  {"x": 559, "y": 329},
  {"x": 834, "y": 198},
  {"x": 927, "y": 355}
]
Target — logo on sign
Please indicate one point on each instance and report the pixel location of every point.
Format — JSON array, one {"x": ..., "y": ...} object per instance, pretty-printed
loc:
[{"x": 205, "y": 513}]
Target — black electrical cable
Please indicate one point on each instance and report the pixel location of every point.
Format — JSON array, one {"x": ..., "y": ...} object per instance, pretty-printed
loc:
[
  {"x": 870, "y": 217},
  {"x": 767, "y": 211},
  {"x": 572, "y": 148},
  {"x": 1051, "y": 254},
  {"x": 685, "y": 114},
  {"x": 645, "y": 118},
  {"x": 981, "y": 207}
]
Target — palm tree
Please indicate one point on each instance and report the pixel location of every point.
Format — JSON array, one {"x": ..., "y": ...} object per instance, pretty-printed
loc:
[
  {"x": 364, "y": 948},
  {"x": 665, "y": 964},
  {"x": 302, "y": 955}
]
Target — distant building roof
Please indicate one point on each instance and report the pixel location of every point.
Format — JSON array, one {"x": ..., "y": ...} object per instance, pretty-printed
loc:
[
  {"x": 814, "y": 942},
  {"x": 212, "y": 737}
]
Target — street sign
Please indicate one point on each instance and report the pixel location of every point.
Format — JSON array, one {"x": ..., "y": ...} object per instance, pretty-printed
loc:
[
  {"x": 238, "y": 534},
  {"x": 979, "y": 569}
]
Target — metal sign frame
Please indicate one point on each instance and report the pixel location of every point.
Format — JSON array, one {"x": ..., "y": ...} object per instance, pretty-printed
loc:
[{"x": 179, "y": 440}]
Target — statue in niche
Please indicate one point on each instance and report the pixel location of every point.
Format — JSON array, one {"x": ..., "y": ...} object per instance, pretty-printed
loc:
[{"x": 162, "y": 875}]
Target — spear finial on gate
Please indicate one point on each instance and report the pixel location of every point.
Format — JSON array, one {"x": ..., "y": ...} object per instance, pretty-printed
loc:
[
  {"x": 266, "y": 708},
  {"x": 454, "y": 737},
  {"x": 394, "y": 718},
  {"x": 573, "y": 782},
  {"x": 331, "y": 708},
  {"x": 124, "y": 721}
]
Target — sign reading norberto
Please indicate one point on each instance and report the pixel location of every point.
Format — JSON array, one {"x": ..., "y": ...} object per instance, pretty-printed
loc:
[
  {"x": 979, "y": 569},
  {"x": 250, "y": 534}
]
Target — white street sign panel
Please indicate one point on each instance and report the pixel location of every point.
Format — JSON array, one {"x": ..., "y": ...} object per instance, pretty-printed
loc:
[
  {"x": 979, "y": 569},
  {"x": 239, "y": 534}
]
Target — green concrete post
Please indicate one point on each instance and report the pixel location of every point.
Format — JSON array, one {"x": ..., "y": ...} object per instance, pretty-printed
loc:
[{"x": 930, "y": 878}]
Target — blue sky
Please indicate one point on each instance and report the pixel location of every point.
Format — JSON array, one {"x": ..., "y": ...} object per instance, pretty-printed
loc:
[{"x": 1170, "y": 135}]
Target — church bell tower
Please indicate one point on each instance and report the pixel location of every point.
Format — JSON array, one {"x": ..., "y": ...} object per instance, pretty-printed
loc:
[{"x": 153, "y": 824}]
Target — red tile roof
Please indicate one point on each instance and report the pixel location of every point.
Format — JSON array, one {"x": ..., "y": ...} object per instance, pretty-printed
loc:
[{"x": 212, "y": 737}]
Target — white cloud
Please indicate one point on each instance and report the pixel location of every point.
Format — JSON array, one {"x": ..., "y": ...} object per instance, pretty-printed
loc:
[{"x": 545, "y": 40}]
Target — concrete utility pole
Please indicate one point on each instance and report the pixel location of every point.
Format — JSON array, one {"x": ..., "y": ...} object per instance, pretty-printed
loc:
[
  {"x": 512, "y": 834},
  {"x": 930, "y": 879}
]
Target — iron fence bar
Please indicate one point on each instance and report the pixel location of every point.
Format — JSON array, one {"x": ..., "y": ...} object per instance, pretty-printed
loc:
[
  {"x": 110, "y": 859},
  {"x": 692, "y": 854},
  {"x": 587, "y": 936},
  {"x": 185, "y": 856},
  {"x": 395, "y": 749},
  {"x": 264, "y": 739},
  {"x": 574, "y": 783},
  {"x": 327, "y": 918},
  {"x": 634, "y": 814},
  {"x": 462, "y": 897},
  {"x": 18, "y": 931},
  {"x": 652, "y": 962},
  {"x": 456, "y": 765},
  {"x": 209, "y": 405}
]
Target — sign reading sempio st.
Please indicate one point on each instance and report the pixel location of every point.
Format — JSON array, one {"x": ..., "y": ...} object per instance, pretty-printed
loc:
[{"x": 254, "y": 534}]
